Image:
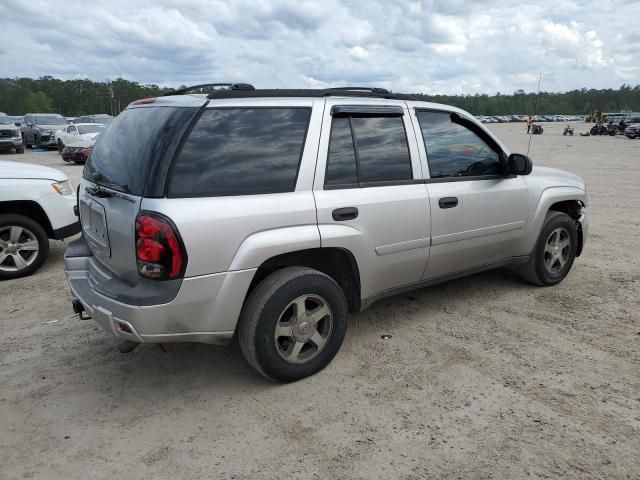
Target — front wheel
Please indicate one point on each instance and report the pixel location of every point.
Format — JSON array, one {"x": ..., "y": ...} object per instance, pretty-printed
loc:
[
  {"x": 554, "y": 252},
  {"x": 293, "y": 324},
  {"x": 24, "y": 246}
]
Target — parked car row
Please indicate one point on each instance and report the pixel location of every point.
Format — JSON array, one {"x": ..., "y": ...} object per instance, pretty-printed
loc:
[
  {"x": 45, "y": 129},
  {"x": 522, "y": 118}
]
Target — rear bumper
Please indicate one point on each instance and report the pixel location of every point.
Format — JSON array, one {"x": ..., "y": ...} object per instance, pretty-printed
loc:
[{"x": 205, "y": 310}]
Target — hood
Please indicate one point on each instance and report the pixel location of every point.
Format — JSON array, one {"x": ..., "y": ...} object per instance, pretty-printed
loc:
[
  {"x": 29, "y": 170},
  {"x": 8, "y": 126},
  {"x": 557, "y": 177}
]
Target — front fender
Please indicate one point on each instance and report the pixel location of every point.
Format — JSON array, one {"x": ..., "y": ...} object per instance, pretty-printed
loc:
[{"x": 548, "y": 197}]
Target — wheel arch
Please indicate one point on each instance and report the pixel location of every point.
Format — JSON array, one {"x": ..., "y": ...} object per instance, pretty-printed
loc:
[
  {"x": 337, "y": 263},
  {"x": 30, "y": 209},
  {"x": 567, "y": 199},
  {"x": 573, "y": 208}
]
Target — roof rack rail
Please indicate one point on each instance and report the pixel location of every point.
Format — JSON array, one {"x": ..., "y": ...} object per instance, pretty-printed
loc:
[
  {"x": 360, "y": 89},
  {"x": 328, "y": 92},
  {"x": 231, "y": 86}
]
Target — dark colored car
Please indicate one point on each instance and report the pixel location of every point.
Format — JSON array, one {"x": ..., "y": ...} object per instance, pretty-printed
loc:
[
  {"x": 76, "y": 154},
  {"x": 38, "y": 129},
  {"x": 633, "y": 130}
]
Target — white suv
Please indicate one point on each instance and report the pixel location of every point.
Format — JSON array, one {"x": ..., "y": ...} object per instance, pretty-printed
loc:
[
  {"x": 272, "y": 213},
  {"x": 36, "y": 204}
]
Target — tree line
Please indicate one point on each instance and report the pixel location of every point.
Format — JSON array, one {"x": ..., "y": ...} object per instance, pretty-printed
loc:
[{"x": 83, "y": 96}]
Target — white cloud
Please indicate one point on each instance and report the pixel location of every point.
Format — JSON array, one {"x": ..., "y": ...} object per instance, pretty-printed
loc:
[
  {"x": 455, "y": 46},
  {"x": 358, "y": 53}
]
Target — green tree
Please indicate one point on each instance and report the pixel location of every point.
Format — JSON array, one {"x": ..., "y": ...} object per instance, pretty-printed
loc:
[{"x": 38, "y": 102}]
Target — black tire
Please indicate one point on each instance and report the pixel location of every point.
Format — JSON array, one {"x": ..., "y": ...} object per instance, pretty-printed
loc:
[
  {"x": 60, "y": 146},
  {"x": 20, "y": 150},
  {"x": 7, "y": 220},
  {"x": 36, "y": 141},
  {"x": 535, "y": 271},
  {"x": 263, "y": 310}
]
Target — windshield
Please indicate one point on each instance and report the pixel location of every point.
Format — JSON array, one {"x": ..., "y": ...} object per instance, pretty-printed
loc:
[
  {"x": 82, "y": 129},
  {"x": 125, "y": 151},
  {"x": 49, "y": 120},
  {"x": 5, "y": 121}
]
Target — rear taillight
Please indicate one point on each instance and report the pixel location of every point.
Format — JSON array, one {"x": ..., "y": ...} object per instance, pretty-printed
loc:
[
  {"x": 160, "y": 253},
  {"x": 85, "y": 152}
]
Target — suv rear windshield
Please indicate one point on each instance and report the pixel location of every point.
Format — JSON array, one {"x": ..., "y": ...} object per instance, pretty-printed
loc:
[{"x": 125, "y": 151}]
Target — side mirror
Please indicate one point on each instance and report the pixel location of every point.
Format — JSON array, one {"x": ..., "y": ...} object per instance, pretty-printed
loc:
[
  {"x": 519, "y": 164},
  {"x": 29, "y": 125}
]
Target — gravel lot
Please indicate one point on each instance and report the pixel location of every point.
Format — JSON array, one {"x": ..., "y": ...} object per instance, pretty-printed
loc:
[{"x": 484, "y": 377}]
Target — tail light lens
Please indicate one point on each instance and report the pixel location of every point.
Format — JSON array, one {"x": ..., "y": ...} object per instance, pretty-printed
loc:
[
  {"x": 160, "y": 253},
  {"x": 85, "y": 152}
]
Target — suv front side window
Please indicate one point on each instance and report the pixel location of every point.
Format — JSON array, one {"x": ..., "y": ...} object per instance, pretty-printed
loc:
[
  {"x": 367, "y": 149},
  {"x": 453, "y": 150}
]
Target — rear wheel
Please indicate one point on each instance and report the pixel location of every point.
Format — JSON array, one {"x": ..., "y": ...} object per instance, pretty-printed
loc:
[
  {"x": 60, "y": 146},
  {"x": 554, "y": 252},
  {"x": 293, "y": 324},
  {"x": 24, "y": 246}
]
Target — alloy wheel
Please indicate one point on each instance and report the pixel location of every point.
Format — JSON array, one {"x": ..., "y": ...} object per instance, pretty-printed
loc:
[
  {"x": 18, "y": 248},
  {"x": 557, "y": 250},
  {"x": 303, "y": 329}
]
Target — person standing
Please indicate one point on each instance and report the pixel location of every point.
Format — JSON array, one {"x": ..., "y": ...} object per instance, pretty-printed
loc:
[{"x": 529, "y": 123}]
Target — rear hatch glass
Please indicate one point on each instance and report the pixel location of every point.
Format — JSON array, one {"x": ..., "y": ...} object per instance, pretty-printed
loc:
[
  {"x": 124, "y": 160},
  {"x": 127, "y": 149}
]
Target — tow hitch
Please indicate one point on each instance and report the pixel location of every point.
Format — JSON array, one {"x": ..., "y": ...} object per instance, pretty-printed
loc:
[{"x": 79, "y": 309}]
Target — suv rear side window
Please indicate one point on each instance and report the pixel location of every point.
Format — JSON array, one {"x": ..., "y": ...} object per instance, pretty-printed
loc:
[
  {"x": 241, "y": 151},
  {"x": 453, "y": 150},
  {"x": 367, "y": 149}
]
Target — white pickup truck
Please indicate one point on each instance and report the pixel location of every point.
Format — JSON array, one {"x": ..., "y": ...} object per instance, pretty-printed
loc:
[{"x": 36, "y": 204}]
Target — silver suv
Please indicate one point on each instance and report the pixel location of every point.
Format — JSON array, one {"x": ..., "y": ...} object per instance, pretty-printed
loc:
[{"x": 271, "y": 214}]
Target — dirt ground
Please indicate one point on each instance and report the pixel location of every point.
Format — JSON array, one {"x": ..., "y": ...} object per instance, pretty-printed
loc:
[{"x": 484, "y": 377}]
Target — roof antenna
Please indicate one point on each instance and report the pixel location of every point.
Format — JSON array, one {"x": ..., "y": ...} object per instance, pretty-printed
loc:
[{"x": 535, "y": 108}]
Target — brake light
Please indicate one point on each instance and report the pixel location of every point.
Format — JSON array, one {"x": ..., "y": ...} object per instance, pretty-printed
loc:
[
  {"x": 85, "y": 152},
  {"x": 160, "y": 253},
  {"x": 144, "y": 101}
]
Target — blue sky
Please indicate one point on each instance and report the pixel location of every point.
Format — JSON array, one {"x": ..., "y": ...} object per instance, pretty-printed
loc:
[{"x": 412, "y": 46}]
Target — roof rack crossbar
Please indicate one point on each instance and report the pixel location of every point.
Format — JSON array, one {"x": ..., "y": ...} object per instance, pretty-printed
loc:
[{"x": 231, "y": 86}]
